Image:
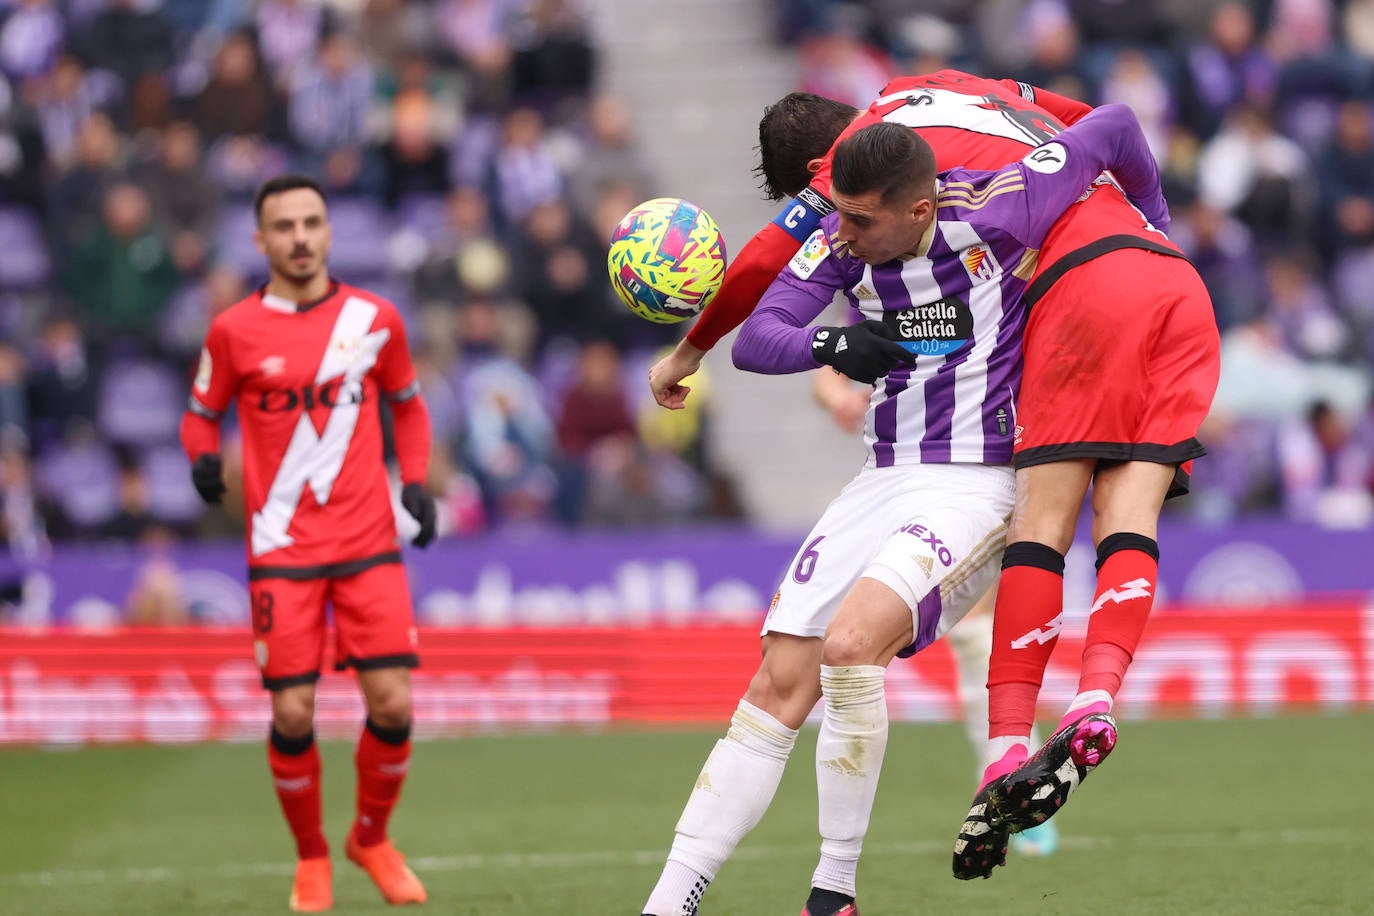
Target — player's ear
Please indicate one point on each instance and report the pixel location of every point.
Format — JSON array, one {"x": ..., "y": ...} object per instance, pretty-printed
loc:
[
  {"x": 922, "y": 209},
  {"x": 814, "y": 165},
  {"x": 260, "y": 241}
]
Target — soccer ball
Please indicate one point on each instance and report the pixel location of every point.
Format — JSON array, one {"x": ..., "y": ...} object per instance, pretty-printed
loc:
[{"x": 667, "y": 259}]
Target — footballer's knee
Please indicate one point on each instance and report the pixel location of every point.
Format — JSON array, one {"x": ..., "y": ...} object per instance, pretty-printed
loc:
[
  {"x": 387, "y": 693},
  {"x": 293, "y": 711},
  {"x": 787, "y": 685}
]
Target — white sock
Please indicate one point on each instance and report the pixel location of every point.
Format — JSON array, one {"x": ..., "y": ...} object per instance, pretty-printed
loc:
[
  {"x": 732, "y": 793},
  {"x": 971, "y": 643},
  {"x": 1088, "y": 699},
  {"x": 849, "y": 759}
]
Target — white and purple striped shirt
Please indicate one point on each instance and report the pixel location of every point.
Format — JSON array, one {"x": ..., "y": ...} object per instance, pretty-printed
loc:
[{"x": 958, "y": 303}]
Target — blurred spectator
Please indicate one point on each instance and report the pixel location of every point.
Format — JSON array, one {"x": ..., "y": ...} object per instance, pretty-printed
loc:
[
  {"x": 185, "y": 201},
  {"x": 609, "y": 156},
  {"x": 64, "y": 99},
  {"x": 14, "y": 419},
  {"x": 839, "y": 63},
  {"x": 1133, "y": 81},
  {"x": 1054, "y": 63},
  {"x": 62, "y": 382},
  {"x": 1326, "y": 470},
  {"x": 393, "y": 30},
  {"x": 133, "y": 519},
  {"x": 31, "y": 38},
  {"x": 1301, "y": 313},
  {"x": 122, "y": 275},
  {"x": 591, "y": 411},
  {"x": 560, "y": 279},
  {"x": 75, "y": 199},
  {"x": 1347, "y": 177},
  {"x": 26, "y": 518},
  {"x": 157, "y": 598},
  {"x": 329, "y": 109},
  {"x": 1222, "y": 250},
  {"x": 508, "y": 440},
  {"x": 476, "y": 35},
  {"x": 131, "y": 40},
  {"x": 1251, "y": 171},
  {"x": 458, "y": 498},
  {"x": 553, "y": 59},
  {"x": 195, "y": 305},
  {"x": 525, "y": 173},
  {"x": 236, "y": 100},
  {"x": 414, "y": 159},
  {"x": 288, "y": 32},
  {"x": 1228, "y": 69}
]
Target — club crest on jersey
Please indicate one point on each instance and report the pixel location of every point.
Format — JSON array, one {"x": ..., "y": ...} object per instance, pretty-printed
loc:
[
  {"x": 204, "y": 371},
  {"x": 346, "y": 347},
  {"x": 980, "y": 263},
  {"x": 272, "y": 366},
  {"x": 810, "y": 255}
]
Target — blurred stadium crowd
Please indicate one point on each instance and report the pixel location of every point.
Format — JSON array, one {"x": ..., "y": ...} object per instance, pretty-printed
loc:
[
  {"x": 473, "y": 177},
  {"x": 475, "y": 174}
]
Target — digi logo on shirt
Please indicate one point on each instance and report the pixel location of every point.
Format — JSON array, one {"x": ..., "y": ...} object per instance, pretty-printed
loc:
[{"x": 934, "y": 329}]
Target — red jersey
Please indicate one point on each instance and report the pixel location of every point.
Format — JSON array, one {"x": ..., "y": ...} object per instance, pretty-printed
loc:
[
  {"x": 969, "y": 122},
  {"x": 306, "y": 380}
]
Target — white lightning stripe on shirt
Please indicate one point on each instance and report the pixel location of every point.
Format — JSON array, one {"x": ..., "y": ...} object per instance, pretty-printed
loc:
[{"x": 315, "y": 459}]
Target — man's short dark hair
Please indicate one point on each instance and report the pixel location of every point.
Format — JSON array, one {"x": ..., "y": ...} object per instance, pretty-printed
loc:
[
  {"x": 291, "y": 181},
  {"x": 887, "y": 158},
  {"x": 794, "y": 130}
]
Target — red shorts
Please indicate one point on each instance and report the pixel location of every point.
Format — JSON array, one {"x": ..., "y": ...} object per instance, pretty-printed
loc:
[
  {"x": 1122, "y": 358},
  {"x": 374, "y": 625}
]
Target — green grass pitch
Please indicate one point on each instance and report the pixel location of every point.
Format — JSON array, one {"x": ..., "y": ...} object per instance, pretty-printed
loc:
[{"x": 1230, "y": 817}]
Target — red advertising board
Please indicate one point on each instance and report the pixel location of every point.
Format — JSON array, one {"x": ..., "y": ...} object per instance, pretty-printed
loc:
[{"x": 180, "y": 685}]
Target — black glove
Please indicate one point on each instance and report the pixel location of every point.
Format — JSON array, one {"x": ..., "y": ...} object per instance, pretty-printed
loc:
[
  {"x": 208, "y": 476},
  {"x": 420, "y": 505},
  {"x": 865, "y": 351}
]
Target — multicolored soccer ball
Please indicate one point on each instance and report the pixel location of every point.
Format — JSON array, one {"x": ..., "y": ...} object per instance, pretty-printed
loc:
[{"x": 667, "y": 259}]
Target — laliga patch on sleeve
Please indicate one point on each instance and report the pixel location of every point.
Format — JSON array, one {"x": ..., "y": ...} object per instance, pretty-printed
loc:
[
  {"x": 1047, "y": 159},
  {"x": 810, "y": 255},
  {"x": 204, "y": 370}
]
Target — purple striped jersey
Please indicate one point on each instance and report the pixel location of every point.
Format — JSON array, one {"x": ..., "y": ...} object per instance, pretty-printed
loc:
[{"x": 957, "y": 303}]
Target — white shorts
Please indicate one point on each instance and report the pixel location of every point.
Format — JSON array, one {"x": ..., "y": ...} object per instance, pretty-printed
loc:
[{"x": 932, "y": 533}]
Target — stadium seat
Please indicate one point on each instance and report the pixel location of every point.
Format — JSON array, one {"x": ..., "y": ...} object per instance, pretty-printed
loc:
[
  {"x": 140, "y": 403},
  {"x": 83, "y": 479},
  {"x": 24, "y": 260},
  {"x": 171, "y": 496}
]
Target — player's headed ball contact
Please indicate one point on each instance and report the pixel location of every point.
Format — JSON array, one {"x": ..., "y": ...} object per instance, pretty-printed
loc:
[{"x": 667, "y": 259}]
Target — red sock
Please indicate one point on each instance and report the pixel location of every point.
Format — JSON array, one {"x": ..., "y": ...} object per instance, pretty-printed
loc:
[
  {"x": 295, "y": 764},
  {"x": 1026, "y": 622},
  {"x": 383, "y": 757},
  {"x": 1127, "y": 576}
]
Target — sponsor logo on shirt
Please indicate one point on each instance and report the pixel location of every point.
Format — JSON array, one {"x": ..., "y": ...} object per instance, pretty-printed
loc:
[
  {"x": 810, "y": 255},
  {"x": 933, "y": 329}
]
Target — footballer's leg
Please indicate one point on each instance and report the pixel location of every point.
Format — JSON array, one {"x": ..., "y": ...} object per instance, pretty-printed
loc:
[
  {"x": 872, "y": 625},
  {"x": 970, "y": 642},
  {"x": 376, "y": 636},
  {"x": 924, "y": 578},
  {"x": 741, "y": 775},
  {"x": 288, "y": 642}
]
